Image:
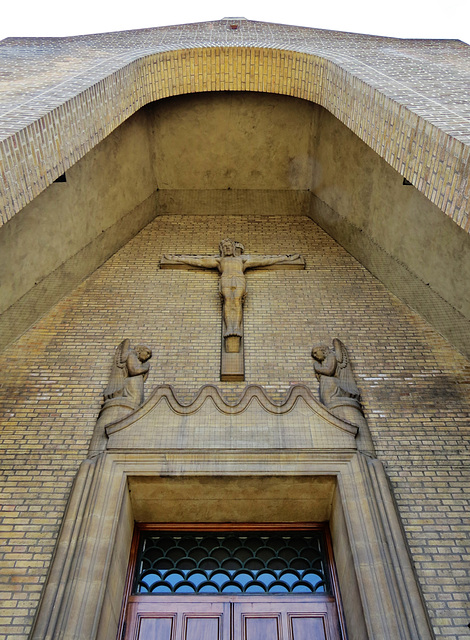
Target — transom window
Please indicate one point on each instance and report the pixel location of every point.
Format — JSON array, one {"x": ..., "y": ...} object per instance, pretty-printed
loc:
[{"x": 251, "y": 562}]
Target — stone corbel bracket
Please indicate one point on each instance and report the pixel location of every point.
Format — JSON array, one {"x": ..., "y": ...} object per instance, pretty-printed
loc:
[{"x": 254, "y": 421}]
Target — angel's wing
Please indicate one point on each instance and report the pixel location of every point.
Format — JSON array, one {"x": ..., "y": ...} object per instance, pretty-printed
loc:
[
  {"x": 119, "y": 370},
  {"x": 344, "y": 371}
]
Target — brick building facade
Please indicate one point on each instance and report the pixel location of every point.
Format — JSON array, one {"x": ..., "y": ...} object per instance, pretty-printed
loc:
[{"x": 289, "y": 140}]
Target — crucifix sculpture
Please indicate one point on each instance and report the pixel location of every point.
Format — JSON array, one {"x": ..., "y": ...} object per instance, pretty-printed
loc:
[{"x": 232, "y": 264}]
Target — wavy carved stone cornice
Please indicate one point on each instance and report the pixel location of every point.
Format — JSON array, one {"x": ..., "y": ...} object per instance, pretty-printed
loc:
[
  {"x": 210, "y": 421},
  {"x": 249, "y": 393}
]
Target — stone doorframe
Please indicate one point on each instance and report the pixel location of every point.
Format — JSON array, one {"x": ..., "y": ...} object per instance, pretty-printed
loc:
[{"x": 84, "y": 592}]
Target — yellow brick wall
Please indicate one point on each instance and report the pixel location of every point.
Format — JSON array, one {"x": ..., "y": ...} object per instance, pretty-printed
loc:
[{"x": 414, "y": 385}]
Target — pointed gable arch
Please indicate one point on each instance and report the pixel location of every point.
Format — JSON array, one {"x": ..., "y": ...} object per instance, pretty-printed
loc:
[{"x": 373, "y": 85}]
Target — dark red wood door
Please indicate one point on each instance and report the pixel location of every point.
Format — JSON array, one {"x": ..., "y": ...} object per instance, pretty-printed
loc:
[
  {"x": 285, "y": 618},
  {"x": 177, "y": 618},
  {"x": 232, "y": 618}
]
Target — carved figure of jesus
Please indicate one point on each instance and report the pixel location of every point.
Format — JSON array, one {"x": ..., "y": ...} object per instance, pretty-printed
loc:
[{"x": 232, "y": 264}]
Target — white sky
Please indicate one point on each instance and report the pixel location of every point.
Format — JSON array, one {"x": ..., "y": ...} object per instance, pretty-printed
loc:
[{"x": 397, "y": 18}]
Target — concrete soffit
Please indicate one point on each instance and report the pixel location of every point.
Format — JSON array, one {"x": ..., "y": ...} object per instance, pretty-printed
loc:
[{"x": 434, "y": 161}]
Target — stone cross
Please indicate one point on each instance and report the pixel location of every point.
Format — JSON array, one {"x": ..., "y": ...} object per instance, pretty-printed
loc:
[{"x": 232, "y": 264}]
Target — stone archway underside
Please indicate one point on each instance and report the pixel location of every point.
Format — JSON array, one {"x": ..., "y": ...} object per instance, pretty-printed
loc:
[{"x": 352, "y": 77}]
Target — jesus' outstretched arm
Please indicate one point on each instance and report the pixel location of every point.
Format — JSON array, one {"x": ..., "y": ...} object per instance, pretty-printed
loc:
[
  {"x": 192, "y": 261},
  {"x": 251, "y": 262}
]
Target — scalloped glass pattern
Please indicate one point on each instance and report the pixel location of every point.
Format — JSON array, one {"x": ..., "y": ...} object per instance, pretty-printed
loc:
[{"x": 231, "y": 563}]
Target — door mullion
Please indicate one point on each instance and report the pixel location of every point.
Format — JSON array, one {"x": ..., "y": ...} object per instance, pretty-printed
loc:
[{"x": 232, "y": 620}]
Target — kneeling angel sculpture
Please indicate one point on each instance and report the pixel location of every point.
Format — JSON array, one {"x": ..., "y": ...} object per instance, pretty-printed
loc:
[{"x": 338, "y": 389}]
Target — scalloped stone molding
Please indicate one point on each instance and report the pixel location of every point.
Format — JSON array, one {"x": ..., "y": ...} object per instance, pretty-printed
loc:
[{"x": 209, "y": 421}]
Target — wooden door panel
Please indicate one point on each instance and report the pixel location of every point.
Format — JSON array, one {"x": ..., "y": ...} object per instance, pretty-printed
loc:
[
  {"x": 285, "y": 618},
  {"x": 258, "y": 627},
  {"x": 302, "y": 627},
  {"x": 312, "y": 621},
  {"x": 154, "y": 628},
  {"x": 202, "y": 627},
  {"x": 174, "y": 618}
]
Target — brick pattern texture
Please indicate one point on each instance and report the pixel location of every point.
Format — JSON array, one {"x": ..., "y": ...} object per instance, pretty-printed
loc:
[
  {"x": 407, "y": 99},
  {"x": 415, "y": 387}
]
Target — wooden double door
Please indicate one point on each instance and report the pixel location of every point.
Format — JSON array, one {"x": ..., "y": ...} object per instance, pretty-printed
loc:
[{"x": 244, "y": 617}]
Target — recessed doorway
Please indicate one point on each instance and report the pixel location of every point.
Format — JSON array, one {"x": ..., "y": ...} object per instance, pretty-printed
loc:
[{"x": 232, "y": 582}]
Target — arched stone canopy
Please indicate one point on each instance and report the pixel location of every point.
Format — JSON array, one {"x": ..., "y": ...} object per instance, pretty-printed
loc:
[{"x": 76, "y": 91}]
